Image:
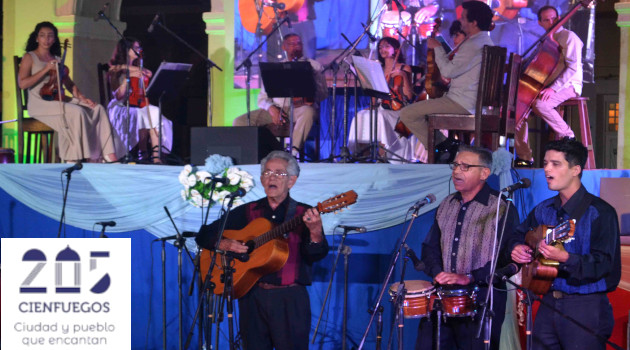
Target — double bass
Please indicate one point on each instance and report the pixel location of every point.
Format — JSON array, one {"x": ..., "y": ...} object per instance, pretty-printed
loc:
[{"x": 540, "y": 66}]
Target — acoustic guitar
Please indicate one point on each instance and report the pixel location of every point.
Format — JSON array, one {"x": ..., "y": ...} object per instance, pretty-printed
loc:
[
  {"x": 538, "y": 275},
  {"x": 268, "y": 249}
]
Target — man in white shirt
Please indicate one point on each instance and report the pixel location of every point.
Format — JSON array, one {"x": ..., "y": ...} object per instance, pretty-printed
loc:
[
  {"x": 276, "y": 110},
  {"x": 566, "y": 83},
  {"x": 463, "y": 70}
]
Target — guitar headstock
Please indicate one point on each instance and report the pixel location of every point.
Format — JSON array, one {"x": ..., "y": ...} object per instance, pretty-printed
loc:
[
  {"x": 337, "y": 202},
  {"x": 562, "y": 233}
]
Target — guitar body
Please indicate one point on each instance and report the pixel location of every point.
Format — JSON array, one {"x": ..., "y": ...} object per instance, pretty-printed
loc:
[
  {"x": 268, "y": 258},
  {"x": 538, "y": 275}
]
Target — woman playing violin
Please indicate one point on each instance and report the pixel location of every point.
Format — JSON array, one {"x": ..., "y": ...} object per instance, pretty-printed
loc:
[
  {"x": 143, "y": 117},
  {"x": 398, "y": 76},
  {"x": 83, "y": 127}
]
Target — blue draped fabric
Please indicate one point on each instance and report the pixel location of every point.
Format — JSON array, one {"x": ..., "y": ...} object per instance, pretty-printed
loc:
[{"x": 133, "y": 196}]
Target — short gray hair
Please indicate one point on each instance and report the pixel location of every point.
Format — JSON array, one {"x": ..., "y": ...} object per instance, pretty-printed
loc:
[
  {"x": 485, "y": 156},
  {"x": 292, "y": 165}
]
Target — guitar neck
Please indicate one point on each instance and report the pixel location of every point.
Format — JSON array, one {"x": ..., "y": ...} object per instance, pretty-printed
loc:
[{"x": 277, "y": 231}]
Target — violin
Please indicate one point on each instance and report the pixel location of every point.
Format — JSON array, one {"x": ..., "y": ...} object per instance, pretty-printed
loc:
[
  {"x": 53, "y": 89},
  {"x": 433, "y": 83},
  {"x": 137, "y": 94}
]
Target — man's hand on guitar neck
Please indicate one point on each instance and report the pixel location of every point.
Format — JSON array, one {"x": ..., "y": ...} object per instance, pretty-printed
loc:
[
  {"x": 232, "y": 246},
  {"x": 313, "y": 221},
  {"x": 552, "y": 252},
  {"x": 522, "y": 254}
]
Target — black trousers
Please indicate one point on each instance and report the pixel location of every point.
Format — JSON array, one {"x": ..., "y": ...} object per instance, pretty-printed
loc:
[
  {"x": 552, "y": 331},
  {"x": 275, "y": 318},
  {"x": 460, "y": 332}
]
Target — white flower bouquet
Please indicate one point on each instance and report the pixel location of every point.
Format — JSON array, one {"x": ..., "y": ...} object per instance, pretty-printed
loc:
[{"x": 197, "y": 181}]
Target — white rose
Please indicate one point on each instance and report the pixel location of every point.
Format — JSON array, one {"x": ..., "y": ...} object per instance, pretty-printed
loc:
[
  {"x": 203, "y": 176},
  {"x": 192, "y": 180}
]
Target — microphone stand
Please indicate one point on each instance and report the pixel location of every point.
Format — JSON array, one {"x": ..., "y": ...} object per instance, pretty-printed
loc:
[
  {"x": 388, "y": 276},
  {"x": 345, "y": 250},
  {"x": 209, "y": 65},
  {"x": 485, "y": 321},
  {"x": 399, "y": 300},
  {"x": 180, "y": 243},
  {"x": 65, "y": 198},
  {"x": 247, "y": 63},
  {"x": 208, "y": 290}
]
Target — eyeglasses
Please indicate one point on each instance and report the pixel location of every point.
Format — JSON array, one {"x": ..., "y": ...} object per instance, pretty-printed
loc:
[
  {"x": 464, "y": 166},
  {"x": 270, "y": 173}
]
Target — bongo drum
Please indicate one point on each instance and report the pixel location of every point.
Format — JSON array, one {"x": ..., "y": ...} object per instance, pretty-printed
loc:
[
  {"x": 458, "y": 300},
  {"x": 424, "y": 29},
  {"x": 416, "y": 302}
]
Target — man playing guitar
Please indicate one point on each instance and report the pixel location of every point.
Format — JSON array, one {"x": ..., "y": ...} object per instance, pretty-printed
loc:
[
  {"x": 589, "y": 265},
  {"x": 276, "y": 312}
]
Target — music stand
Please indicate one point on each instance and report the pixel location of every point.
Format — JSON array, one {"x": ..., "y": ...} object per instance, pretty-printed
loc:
[
  {"x": 288, "y": 80},
  {"x": 167, "y": 81},
  {"x": 372, "y": 79}
]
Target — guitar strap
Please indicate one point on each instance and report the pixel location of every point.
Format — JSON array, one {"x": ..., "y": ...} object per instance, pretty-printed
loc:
[{"x": 291, "y": 208}]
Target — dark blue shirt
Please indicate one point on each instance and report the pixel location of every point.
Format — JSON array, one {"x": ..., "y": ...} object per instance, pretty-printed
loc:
[{"x": 594, "y": 263}]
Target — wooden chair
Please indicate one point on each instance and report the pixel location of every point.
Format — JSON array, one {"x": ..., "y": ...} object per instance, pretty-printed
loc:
[
  {"x": 104, "y": 87},
  {"x": 487, "y": 117},
  {"x": 40, "y": 134}
]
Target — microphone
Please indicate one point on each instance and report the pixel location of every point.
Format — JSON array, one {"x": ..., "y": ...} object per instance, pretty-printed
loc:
[
  {"x": 239, "y": 193},
  {"x": 101, "y": 13},
  {"x": 360, "y": 229},
  {"x": 107, "y": 223},
  {"x": 506, "y": 272},
  {"x": 244, "y": 257},
  {"x": 223, "y": 180},
  {"x": 417, "y": 263},
  {"x": 370, "y": 35},
  {"x": 277, "y": 5},
  {"x": 76, "y": 166},
  {"x": 430, "y": 198},
  {"x": 152, "y": 25},
  {"x": 166, "y": 238},
  {"x": 524, "y": 183}
]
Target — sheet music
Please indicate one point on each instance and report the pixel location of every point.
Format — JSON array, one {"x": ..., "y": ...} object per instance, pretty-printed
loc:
[{"x": 370, "y": 74}]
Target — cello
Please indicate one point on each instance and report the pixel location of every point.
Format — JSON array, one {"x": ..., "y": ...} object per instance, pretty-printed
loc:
[{"x": 540, "y": 66}]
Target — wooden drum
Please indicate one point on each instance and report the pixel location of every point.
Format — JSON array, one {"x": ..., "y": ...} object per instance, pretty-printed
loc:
[
  {"x": 417, "y": 299},
  {"x": 458, "y": 300}
]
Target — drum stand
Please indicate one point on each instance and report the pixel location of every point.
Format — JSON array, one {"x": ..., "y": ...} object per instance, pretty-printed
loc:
[{"x": 399, "y": 300}]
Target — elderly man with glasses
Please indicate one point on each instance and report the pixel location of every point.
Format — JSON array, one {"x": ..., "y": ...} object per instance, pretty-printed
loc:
[
  {"x": 276, "y": 312},
  {"x": 458, "y": 249}
]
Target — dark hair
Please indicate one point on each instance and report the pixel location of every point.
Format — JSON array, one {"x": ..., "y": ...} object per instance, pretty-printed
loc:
[
  {"x": 480, "y": 12},
  {"x": 574, "y": 151},
  {"x": 31, "y": 43},
  {"x": 395, "y": 44},
  {"x": 545, "y": 8},
  {"x": 287, "y": 36},
  {"x": 456, "y": 28},
  {"x": 485, "y": 156},
  {"x": 119, "y": 56}
]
